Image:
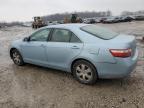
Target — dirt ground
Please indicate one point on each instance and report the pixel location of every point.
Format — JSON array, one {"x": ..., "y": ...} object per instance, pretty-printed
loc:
[{"x": 37, "y": 87}]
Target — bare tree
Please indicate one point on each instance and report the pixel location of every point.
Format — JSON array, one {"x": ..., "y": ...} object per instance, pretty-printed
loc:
[
  {"x": 127, "y": 13},
  {"x": 86, "y": 14}
]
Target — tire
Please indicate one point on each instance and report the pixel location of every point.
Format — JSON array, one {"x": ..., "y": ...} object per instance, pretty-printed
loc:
[
  {"x": 17, "y": 58},
  {"x": 84, "y": 72}
]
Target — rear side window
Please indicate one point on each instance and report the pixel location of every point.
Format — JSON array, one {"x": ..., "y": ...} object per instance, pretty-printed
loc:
[
  {"x": 63, "y": 35},
  {"x": 60, "y": 35},
  {"x": 99, "y": 32},
  {"x": 74, "y": 39}
]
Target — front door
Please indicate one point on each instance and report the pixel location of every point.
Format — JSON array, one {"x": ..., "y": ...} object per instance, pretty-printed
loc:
[{"x": 35, "y": 49}]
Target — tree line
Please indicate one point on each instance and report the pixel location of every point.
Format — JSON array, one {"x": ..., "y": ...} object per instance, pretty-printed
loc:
[
  {"x": 126, "y": 13},
  {"x": 59, "y": 17}
]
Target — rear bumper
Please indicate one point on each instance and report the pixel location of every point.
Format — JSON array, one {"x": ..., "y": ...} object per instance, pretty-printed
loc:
[{"x": 122, "y": 68}]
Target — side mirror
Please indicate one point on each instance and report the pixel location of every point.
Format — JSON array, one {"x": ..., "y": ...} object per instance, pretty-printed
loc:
[{"x": 26, "y": 39}]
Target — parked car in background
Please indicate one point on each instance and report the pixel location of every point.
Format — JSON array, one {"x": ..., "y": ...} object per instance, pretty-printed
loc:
[
  {"x": 103, "y": 19},
  {"x": 89, "y": 20},
  {"x": 111, "y": 20},
  {"x": 85, "y": 21},
  {"x": 126, "y": 19},
  {"x": 139, "y": 18},
  {"x": 27, "y": 24},
  {"x": 97, "y": 20},
  {"x": 61, "y": 22},
  {"x": 53, "y": 23},
  {"x": 92, "y": 21},
  {"x": 87, "y": 51}
]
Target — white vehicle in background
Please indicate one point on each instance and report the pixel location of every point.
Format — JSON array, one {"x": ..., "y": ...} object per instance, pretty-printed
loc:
[
  {"x": 112, "y": 20},
  {"x": 27, "y": 24},
  {"x": 86, "y": 20},
  {"x": 52, "y": 23},
  {"x": 97, "y": 20}
]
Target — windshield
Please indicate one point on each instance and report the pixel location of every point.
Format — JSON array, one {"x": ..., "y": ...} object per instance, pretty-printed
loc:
[{"x": 99, "y": 32}]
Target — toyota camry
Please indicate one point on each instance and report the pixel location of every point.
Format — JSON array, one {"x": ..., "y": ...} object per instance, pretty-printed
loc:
[{"x": 87, "y": 51}]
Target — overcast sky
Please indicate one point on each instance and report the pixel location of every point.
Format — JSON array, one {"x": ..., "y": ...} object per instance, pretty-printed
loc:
[{"x": 24, "y": 10}]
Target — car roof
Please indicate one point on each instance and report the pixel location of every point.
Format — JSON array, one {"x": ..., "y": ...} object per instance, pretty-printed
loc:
[{"x": 67, "y": 26}]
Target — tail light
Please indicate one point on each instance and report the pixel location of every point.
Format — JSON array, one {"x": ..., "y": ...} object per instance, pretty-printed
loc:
[{"x": 121, "y": 52}]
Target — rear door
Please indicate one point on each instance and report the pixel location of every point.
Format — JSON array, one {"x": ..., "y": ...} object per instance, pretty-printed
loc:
[{"x": 62, "y": 47}]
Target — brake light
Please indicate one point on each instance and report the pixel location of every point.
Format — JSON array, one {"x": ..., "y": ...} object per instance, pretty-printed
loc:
[{"x": 121, "y": 52}]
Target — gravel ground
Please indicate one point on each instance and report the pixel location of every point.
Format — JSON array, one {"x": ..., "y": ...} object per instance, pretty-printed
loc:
[{"x": 36, "y": 87}]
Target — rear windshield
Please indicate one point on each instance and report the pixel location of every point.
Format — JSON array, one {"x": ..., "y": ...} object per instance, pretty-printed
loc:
[{"x": 99, "y": 32}]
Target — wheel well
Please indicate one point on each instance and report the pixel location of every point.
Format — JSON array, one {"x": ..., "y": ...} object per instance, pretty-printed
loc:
[
  {"x": 84, "y": 60},
  {"x": 11, "y": 51}
]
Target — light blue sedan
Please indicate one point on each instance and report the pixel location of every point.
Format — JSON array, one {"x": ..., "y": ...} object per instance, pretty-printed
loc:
[{"x": 87, "y": 51}]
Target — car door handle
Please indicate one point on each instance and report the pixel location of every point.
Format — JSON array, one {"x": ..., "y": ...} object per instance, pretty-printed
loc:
[{"x": 75, "y": 47}]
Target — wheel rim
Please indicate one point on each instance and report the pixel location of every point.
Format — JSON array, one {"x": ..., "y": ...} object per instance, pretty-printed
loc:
[
  {"x": 16, "y": 58},
  {"x": 84, "y": 72}
]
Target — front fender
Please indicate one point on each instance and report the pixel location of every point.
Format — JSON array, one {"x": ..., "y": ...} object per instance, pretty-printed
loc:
[{"x": 15, "y": 45}]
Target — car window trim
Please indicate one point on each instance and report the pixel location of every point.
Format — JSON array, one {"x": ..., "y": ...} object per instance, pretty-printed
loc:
[
  {"x": 53, "y": 29},
  {"x": 50, "y": 35}
]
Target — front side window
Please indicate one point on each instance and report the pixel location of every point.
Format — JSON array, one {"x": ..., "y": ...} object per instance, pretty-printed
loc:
[
  {"x": 99, "y": 32},
  {"x": 61, "y": 35},
  {"x": 41, "y": 35}
]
